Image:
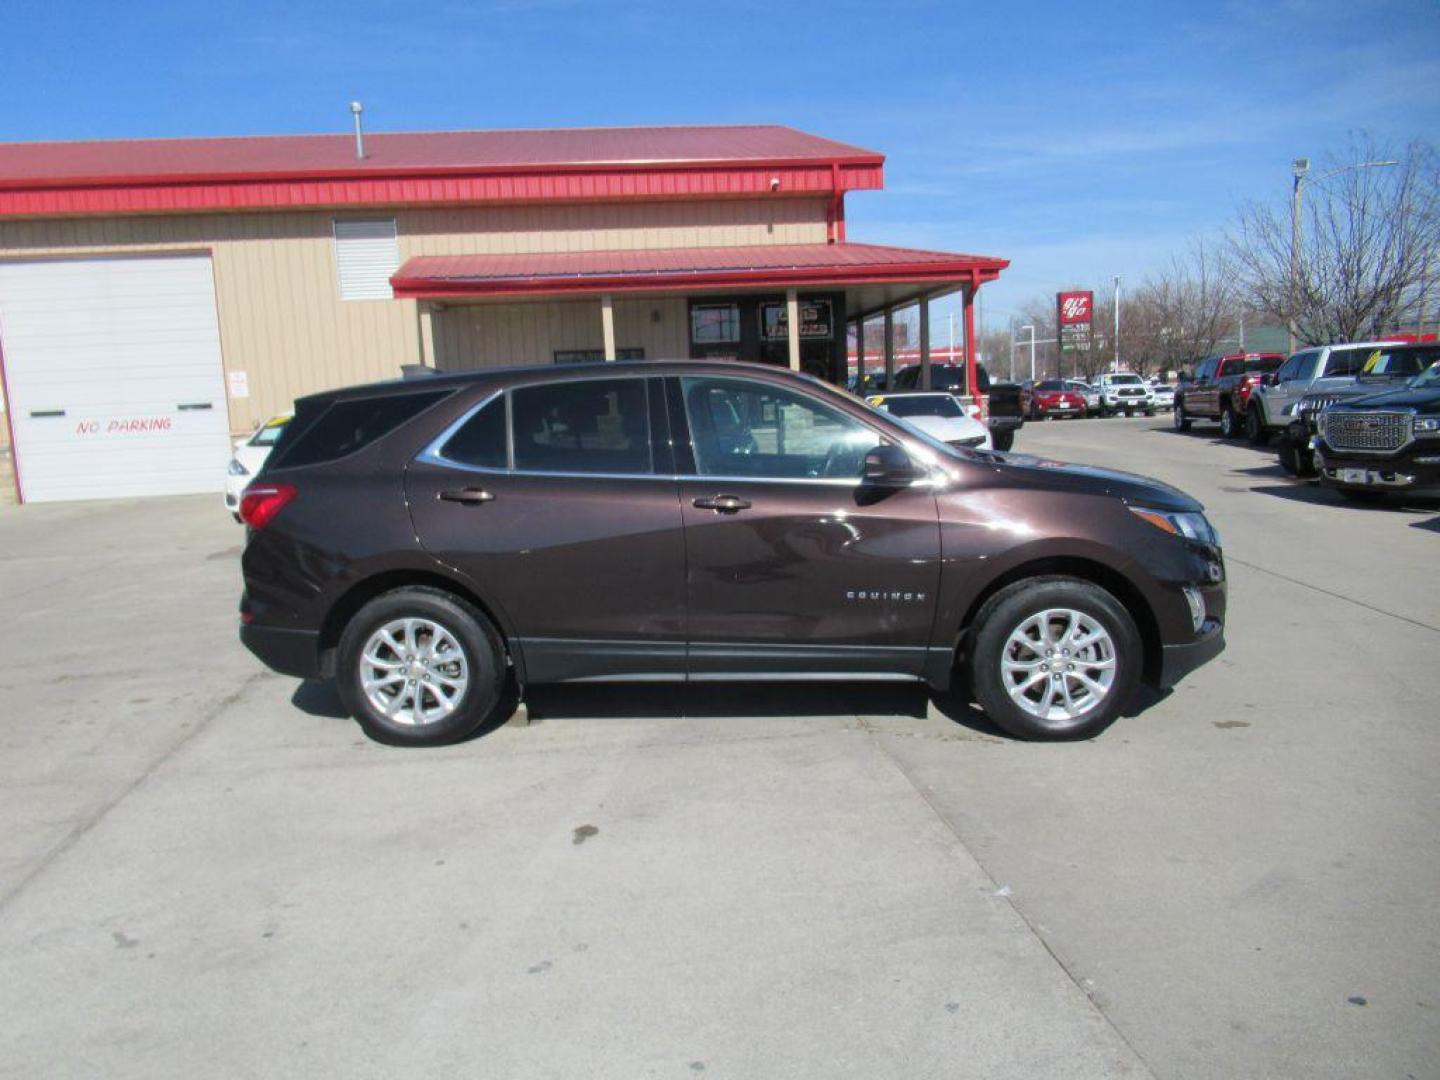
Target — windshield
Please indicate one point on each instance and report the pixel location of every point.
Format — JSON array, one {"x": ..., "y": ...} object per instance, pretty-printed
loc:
[
  {"x": 269, "y": 434},
  {"x": 1125, "y": 380},
  {"x": 1428, "y": 379},
  {"x": 922, "y": 405}
]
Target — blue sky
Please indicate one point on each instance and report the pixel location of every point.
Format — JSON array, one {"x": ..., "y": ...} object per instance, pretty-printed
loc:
[{"x": 1078, "y": 141}]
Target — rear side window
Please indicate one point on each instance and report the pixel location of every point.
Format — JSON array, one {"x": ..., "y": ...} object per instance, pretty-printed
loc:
[
  {"x": 481, "y": 440},
  {"x": 1346, "y": 361},
  {"x": 586, "y": 426},
  {"x": 350, "y": 425}
]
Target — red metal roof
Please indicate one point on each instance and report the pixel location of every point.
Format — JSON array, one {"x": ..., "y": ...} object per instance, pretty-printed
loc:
[
  {"x": 157, "y": 175},
  {"x": 670, "y": 269}
]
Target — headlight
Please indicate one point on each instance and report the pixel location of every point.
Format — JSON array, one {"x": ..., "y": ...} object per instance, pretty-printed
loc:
[
  {"x": 236, "y": 469},
  {"x": 1427, "y": 425},
  {"x": 1190, "y": 526}
]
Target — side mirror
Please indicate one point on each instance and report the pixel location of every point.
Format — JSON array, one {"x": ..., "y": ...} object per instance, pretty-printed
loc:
[
  {"x": 890, "y": 466},
  {"x": 1273, "y": 379}
]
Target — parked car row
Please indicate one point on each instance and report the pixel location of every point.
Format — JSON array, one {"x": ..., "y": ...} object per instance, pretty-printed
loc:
[{"x": 1363, "y": 417}]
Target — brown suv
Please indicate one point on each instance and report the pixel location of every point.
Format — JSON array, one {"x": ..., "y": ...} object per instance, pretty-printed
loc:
[{"x": 424, "y": 541}]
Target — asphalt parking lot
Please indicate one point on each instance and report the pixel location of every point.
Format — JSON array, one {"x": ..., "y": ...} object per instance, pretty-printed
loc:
[{"x": 205, "y": 870}]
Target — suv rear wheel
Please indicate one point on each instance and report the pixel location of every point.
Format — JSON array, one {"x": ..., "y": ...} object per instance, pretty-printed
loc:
[
  {"x": 1054, "y": 658},
  {"x": 419, "y": 666}
]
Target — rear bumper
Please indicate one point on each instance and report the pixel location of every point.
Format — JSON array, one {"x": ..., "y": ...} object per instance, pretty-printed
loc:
[
  {"x": 1177, "y": 661},
  {"x": 1005, "y": 423},
  {"x": 290, "y": 652}
]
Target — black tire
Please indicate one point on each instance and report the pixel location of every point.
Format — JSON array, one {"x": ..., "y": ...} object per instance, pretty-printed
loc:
[
  {"x": 1002, "y": 440},
  {"x": 1149, "y": 412},
  {"x": 1255, "y": 429},
  {"x": 1007, "y": 611},
  {"x": 1229, "y": 421},
  {"x": 484, "y": 658},
  {"x": 1297, "y": 460},
  {"x": 1178, "y": 419}
]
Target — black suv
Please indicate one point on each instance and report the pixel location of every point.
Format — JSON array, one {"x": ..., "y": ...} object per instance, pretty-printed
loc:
[
  {"x": 425, "y": 541},
  {"x": 1386, "y": 443}
]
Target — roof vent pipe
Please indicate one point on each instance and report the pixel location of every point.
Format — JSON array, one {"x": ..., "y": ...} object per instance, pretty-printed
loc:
[{"x": 356, "y": 109}]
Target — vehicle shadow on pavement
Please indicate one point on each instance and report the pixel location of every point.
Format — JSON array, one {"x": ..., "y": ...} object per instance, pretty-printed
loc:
[
  {"x": 645, "y": 701},
  {"x": 957, "y": 708}
]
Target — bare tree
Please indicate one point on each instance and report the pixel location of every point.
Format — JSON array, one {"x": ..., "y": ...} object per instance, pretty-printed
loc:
[
  {"x": 1180, "y": 313},
  {"x": 1366, "y": 235}
]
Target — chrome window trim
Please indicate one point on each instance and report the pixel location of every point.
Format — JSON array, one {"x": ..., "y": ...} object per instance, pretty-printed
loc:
[{"x": 431, "y": 454}]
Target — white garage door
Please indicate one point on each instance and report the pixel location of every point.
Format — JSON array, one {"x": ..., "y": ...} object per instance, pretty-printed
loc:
[{"x": 114, "y": 377}]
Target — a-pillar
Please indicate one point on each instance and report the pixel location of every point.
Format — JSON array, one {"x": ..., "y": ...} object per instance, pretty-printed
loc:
[
  {"x": 925, "y": 343},
  {"x": 607, "y": 326},
  {"x": 889, "y": 348},
  {"x": 792, "y": 320}
]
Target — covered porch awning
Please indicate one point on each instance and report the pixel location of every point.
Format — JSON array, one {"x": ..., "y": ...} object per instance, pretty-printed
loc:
[{"x": 874, "y": 277}]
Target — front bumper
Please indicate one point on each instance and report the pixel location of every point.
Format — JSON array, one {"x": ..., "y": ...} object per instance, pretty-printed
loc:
[
  {"x": 1177, "y": 661},
  {"x": 1415, "y": 470},
  {"x": 290, "y": 652}
]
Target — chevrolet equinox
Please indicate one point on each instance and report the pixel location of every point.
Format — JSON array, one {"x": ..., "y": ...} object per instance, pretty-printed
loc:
[{"x": 425, "y": 541}]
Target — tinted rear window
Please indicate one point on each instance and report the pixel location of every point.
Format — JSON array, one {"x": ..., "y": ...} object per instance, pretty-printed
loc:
[
  {"x": 585, "y": 426},
  {"x": 350, "y": 425}
]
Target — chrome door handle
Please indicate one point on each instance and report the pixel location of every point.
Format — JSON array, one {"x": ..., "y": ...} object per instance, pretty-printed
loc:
[
  {"x": 722, "y": 504},
  {"x": 469, "y": 496}
]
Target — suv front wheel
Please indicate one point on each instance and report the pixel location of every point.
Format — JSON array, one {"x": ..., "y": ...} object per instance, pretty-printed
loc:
[
  {"x": 419, "y": 666},
  {"x": 1054, "y": 658}
]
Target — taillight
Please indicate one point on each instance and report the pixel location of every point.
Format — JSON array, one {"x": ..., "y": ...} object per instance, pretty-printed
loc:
[{"x": 261, "y": 502}]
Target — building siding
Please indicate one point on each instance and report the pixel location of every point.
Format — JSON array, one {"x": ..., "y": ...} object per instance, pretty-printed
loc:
[
  {"x": 283, "y": 323},
  {"x": 494, "y": 335}
]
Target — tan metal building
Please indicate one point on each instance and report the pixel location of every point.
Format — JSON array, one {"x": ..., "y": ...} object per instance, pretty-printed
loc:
[{"x": 157, "y": 297}]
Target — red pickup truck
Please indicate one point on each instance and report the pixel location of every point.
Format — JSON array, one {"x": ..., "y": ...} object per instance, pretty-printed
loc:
[{"x": 1221, "y": 390}]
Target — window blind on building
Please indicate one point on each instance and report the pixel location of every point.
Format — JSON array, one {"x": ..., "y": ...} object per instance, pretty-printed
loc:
[{"x": 366, "y": 254}]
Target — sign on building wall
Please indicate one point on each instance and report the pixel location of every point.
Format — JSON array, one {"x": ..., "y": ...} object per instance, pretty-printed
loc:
[
  {"x": 1073, "y": 314},
  {"x": 815, "y": 320}
]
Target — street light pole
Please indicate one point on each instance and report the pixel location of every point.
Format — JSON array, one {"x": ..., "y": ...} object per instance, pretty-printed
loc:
[
  {"x": 1027, "y": 326},
  {"x": 1115, "y": 367},
  {"x": 1300, "y": 167}
]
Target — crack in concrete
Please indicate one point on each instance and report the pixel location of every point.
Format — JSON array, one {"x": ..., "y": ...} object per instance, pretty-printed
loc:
[
  {"x": 89, "y": 822},
  {"x": 1005, "y": 895},
  {"x": 1336, "y": 595}
]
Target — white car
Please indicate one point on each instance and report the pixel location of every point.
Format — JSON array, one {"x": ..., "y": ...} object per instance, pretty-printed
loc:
[
  {"x": 1163, "y": 393},
  {"x": 250, "y": 455},
  {"x": 1091, "y": 395},
  {"x": 939, "y": 415}
]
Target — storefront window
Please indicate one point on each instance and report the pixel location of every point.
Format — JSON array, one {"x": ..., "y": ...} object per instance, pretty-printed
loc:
[{"x": 714, "y": 324}]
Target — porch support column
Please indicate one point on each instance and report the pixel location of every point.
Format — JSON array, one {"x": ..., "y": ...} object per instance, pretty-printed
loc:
[
  {"x": 889, "y": 348},
  {"x": 792, "y": 318},
  {"x": 425, "y": 317},
  {"x": 607, "y": 326},
  {"x": 971, "y": 387},
  {"x": 860, "y": 354},
  {"x": 925, "y": 342}
]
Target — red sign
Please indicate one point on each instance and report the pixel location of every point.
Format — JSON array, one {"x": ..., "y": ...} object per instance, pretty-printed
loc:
[
  {"x": 1072, "y": 314},
  {"x": 1075, "y": 307}
]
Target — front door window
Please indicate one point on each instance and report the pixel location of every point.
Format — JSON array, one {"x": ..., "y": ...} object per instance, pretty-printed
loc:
[{"x": 746, "y": 429}]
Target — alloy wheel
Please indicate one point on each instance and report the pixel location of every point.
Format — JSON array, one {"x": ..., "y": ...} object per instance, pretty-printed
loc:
[
  {"x": 414, "y": 671},
  {"x": 1058, "y": 665}
]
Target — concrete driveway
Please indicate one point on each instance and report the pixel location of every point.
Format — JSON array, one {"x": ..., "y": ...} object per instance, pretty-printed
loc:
[{"x": 206, "y": 870}]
